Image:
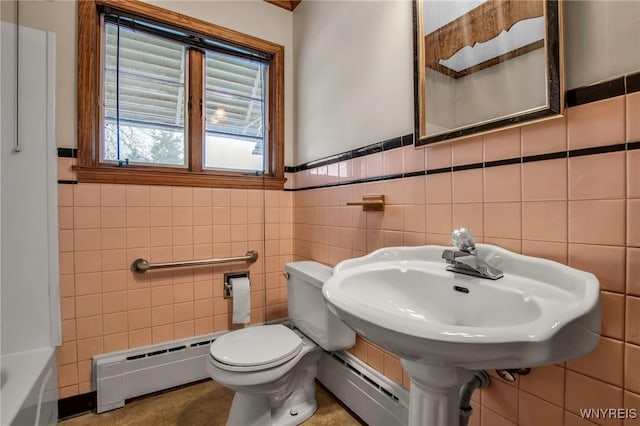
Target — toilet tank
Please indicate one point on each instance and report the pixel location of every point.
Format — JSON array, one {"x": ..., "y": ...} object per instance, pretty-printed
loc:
[{"x": 308, "y": 310}]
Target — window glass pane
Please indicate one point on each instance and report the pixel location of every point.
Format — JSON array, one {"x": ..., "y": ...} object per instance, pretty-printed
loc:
[
  {"x": 144, "y": 98},
  {"x": 235, "y": 105}
]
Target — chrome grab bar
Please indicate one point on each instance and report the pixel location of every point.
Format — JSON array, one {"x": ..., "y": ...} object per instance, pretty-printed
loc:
[{"x": 142, "y": 265}]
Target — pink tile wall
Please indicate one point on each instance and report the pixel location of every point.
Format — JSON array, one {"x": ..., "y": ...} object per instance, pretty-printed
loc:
[
  {"x": 103, "y": 228},
  {"x": 582, "y": 211},
  {"x": 591, "y": 207}
]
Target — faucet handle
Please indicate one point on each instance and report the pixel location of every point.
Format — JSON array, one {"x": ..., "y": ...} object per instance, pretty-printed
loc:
[
  {"x": 463, "y": 239},
  {"x": 449, "y": 256}
]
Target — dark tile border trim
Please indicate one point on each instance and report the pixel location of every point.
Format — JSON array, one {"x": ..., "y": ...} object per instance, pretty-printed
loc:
[
  {"x": 436, "y": 171},
  {"x": 467, "y": 167},
  {"x": 77, "y": 404},
  {"x": 618, "y": 86},
  {"x": 67, "y": 152},
  {"x": 632, "y": 82},
  {"x": 542, "y": 157},
  {"x": 396, "y": 176},
  {"x": 505, "y": 162},
  {"x": 392, "y": 144},
  {"x": 414, "y": 174},
  {"x": 365, "y": 150},
  {"x": 407, "y": 140},
  {"x": 596, "y": 92},
  {"x": 516, "y": 160},
  {"x": 597, "y": 150},
  {"x": 386, "y": 145}
]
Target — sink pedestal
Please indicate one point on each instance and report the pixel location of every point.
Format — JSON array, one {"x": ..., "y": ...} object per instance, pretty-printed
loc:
[{"x": 434, "y": 394}]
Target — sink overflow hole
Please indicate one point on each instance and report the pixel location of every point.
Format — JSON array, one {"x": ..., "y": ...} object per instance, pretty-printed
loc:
[{"x": 461, "y": 289}]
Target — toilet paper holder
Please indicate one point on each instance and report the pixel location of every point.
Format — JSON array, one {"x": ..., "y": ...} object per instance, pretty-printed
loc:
[{"x": 228, "y": 287}]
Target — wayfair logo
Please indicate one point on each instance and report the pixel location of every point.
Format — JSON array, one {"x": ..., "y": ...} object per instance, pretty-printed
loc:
[{"x": 608, "y": 413}]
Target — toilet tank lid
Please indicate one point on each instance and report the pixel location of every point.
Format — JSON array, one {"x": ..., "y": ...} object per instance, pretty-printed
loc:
[{"x": 310, "y": 271}]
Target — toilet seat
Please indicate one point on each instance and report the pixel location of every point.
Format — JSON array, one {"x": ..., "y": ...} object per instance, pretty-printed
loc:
[{"x": 255, "y": 348}]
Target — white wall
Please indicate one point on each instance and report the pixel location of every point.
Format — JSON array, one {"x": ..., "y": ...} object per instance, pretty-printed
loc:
[
  {"x": 253, "y": 17},
  {"x": 353, "y": 65},
  {"x": 8, "y": 10},
  {"x": 601, "y": 40},
  {"x": 354, "y": 75},
  {"x": 58, "y": 17}
]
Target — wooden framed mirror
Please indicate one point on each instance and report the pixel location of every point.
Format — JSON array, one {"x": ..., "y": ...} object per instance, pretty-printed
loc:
[{"x": 484, "y": 64}]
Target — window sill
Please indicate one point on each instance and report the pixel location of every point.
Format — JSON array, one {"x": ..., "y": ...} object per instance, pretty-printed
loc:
[{"x": 137, "y": 176}]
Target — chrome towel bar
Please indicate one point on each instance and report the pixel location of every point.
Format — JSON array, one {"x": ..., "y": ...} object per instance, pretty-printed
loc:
[{"x": 142, "y": 265}]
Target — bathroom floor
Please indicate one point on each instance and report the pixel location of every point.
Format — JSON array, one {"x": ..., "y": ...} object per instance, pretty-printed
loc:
[{"x": 205, "y": 403}]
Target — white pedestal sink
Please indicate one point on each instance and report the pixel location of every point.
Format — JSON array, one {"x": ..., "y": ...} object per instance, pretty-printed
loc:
[{"x": 445, "y": 325}]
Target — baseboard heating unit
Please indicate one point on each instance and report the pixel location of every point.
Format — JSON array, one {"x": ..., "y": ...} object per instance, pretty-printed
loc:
[
  {"x": 373, "y": 397},
  {"x": 119, "y": 376}
]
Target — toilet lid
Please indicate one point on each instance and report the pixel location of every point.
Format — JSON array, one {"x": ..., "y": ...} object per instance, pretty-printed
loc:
[{"x": 266, "y": 345}]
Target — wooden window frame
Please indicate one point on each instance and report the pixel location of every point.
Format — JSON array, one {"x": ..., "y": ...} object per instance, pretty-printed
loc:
[{"x": 89, "y": 167}]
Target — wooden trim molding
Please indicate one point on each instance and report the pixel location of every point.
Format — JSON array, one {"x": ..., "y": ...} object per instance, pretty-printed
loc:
[
  {"x": 285, "y": 4},
  {"x": 157, "y": 176},
  {"x": 478, "y": 26},
  {"x": 195, "y": 113},
  {"x": 90, "y": 169},
  {"x": 87, "y": 84},
  {"x": 275, "y": 114},
  {"x": 187, "y": 22}
]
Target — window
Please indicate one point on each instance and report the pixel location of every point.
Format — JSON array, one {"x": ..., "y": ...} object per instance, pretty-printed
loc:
[
  {"x": 143, "y": 110},
  {"x": 167, "y": 99},
  {"x": 235, "y": 102}
]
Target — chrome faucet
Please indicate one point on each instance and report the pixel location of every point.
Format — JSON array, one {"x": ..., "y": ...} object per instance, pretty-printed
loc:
[{"x": 464, "y": 260}]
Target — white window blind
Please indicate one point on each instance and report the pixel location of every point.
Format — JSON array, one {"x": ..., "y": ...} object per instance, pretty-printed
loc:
[
  {"x": 235, "y": 101},
  {"x": 144, "y": 98},
  {"x": 144, "y": 83}
]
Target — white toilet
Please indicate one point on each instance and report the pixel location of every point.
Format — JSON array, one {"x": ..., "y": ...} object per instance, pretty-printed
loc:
[{"x": 272, "y": 367}]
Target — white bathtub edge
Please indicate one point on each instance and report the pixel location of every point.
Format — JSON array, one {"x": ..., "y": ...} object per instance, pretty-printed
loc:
[{"x": 29, "y": 387}]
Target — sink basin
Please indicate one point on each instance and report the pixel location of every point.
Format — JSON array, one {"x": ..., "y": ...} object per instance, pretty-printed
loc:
[
  {"x": 445, "y": 324},
  {"x": 404, "y": 300}
]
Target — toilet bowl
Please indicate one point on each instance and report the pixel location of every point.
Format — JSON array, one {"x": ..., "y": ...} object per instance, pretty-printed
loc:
[
  {"x": 272, "y": 368},
  {"x": 272, "y": 387}
]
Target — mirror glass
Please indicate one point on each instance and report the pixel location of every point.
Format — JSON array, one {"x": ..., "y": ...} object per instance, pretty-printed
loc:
[{"x": 484, "y": 64}]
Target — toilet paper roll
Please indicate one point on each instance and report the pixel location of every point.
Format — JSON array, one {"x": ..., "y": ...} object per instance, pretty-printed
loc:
[{"x": 241, "y": 300}]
